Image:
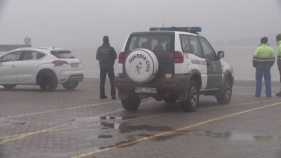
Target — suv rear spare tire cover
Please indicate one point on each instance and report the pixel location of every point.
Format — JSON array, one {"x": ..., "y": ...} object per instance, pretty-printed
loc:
[{"x": 141, "y": 65}]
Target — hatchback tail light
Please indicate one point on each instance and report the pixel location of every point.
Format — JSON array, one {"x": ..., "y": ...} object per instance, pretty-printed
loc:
[
  {"x": 122, "y": 57},
  {"x": 177, "y": 57},
  {"x": 59, "y": 62}
]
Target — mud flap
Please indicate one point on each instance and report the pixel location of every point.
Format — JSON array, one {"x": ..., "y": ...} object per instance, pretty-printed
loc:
[
  {"x": 123, "y": 94},
  {"x": 183, "y": 97}
]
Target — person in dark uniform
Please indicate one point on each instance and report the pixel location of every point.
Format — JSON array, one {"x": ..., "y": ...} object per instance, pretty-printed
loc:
[
  {"x": 263, "y": 60},
  {"x": 106, "y": 56}
]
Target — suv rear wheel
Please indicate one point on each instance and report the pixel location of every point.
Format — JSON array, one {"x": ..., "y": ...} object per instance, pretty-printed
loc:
[
  {"x": 70, "y": 85},
  {"x": 193, "y": 98},
  {"x": 9, "y": 87},
  {"x": 48, "y": 82},
  {"x": 226, "y": 93},
  {"x": 132, "y": 103}
]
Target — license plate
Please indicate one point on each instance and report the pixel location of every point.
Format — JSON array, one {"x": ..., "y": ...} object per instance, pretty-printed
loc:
[
  {"x": 145, "y": 90},
  {"x": 74, "y": 65}
]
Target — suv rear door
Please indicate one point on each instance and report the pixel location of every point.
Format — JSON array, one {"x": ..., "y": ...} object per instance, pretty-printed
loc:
[
  {"x": 160, "y": 43},
  {"x": 214, "y": 68},
  {"x": 194, "y": 56}
]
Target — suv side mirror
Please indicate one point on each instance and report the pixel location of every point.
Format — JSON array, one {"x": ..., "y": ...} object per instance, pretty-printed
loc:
[{"x": 220, "y": 54}]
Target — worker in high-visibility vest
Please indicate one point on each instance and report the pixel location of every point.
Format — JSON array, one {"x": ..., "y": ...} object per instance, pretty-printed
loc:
[{"x": 263, "y": 60}]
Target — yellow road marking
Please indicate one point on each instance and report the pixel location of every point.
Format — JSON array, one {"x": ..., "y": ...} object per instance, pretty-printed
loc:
[
  {"x": 43, "y": 112},
  {"x": 152, "y": 116},
  {"x": 226, "y": 106},
  {"x": 55, "y": 128},
  {"x": 59, "y": 128},
  {"x": 175, "y": 131}
]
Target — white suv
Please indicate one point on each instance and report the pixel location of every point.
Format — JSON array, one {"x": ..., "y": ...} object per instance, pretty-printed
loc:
[
  {"x": 46, "y": 67},
  {"x": 172, "y": 64}
]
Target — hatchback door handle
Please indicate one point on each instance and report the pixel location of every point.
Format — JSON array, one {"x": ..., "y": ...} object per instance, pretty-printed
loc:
[{"x": 14, "y": 66}]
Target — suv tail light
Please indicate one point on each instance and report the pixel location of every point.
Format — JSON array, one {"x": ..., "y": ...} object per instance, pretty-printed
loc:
[
  {"x": 170, "y": 85},
  {"x": 122, "y": 57},
  {"x": 177, "y": 57},
  {"x": 121, "y": 84},
  {"x": 59, "y": 62}
]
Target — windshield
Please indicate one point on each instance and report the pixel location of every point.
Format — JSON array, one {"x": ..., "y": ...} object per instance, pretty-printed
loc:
[{"x": 151, "y": 42}]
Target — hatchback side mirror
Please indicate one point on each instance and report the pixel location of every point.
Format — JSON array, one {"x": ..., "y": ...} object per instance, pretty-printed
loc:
[{"x": 220, "y": 54}]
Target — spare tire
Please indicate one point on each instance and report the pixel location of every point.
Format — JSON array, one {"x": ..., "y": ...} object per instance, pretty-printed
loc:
[{"x": 141, "y": 65}]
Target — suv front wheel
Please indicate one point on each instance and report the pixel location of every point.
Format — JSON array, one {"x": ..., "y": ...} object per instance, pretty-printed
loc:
[
  {"x": 193, "y": 98},
  {"x": 132, "y": 103}
]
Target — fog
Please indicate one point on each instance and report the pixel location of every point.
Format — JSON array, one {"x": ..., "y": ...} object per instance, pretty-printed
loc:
[{"x": 82, "y": 23}]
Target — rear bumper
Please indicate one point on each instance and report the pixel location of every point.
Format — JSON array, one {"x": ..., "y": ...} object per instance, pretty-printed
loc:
[
  {"x": 70, "y": 76},
  {"x": 75, "y": 78},
  {"x": 181, "y": 81}
]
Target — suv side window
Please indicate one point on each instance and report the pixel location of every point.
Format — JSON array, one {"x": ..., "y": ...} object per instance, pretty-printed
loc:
[
  {"x": 30, "y": 55},
  {"x": 185, "y": 44},
  {"x": 209, "y": 52},
  {"x": 195, "y": 46},
  {"x": 14, "y": 56}
]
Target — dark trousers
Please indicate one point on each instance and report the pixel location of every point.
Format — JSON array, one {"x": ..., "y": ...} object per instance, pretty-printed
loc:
[
  {"x": 263, "y": 70},
  {"x": 110, "y": 72}
]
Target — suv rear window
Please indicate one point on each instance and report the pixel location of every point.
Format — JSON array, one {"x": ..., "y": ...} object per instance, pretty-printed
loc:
[
  {"x": 153, "y": 42},
  {"x": 63, "y": 54}
]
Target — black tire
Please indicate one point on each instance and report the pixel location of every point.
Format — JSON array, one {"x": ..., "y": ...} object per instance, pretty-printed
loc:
[
  {"x": 193, "y": 98},
  {"x": 132, "y": 103},
  {"x": 226, "y": 92},
  {"x": 9, "y": 87},
  {"x": 70, "y": 85},
  {"x": 170, "y": 99},
  {"x": 48, "y": 82}
]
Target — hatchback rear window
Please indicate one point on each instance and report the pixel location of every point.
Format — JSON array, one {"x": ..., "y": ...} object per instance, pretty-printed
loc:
[
  {"x": 152, "y": 42},
  {"x": 65, "y": 54}
]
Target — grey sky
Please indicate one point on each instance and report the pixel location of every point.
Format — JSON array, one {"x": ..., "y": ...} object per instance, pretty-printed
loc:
[{"x": 82, "y": 23}]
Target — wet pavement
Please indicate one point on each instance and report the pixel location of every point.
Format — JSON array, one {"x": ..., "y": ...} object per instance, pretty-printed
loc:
[{"x": 78, "y": 124}]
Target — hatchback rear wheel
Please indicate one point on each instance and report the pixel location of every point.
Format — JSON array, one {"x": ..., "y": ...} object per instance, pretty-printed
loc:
[{"x": 48, "y": 82}]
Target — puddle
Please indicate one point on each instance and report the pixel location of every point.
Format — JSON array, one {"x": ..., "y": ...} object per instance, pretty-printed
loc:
[
  {"x": 11, "y": 122},
  {"x": 105, "y": 136},
  {"x": 98, "y": 119},
  {"x": 242, "y": 136},
  {"x": 110, "y": 125},
  {"x": 125, "y": 128},
  {"x": 119, "y": 143},
  {"x": 117, "y": 117}
]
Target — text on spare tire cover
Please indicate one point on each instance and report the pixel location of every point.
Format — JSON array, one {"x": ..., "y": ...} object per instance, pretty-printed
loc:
[{"x": 139, "y": 66}]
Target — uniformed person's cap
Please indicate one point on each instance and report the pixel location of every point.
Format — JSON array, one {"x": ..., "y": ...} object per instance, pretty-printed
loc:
[
  {"x": 264, "y": 40},
  {"x": 278, "y": 37},
  {"x": 105, "y": 39}
]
